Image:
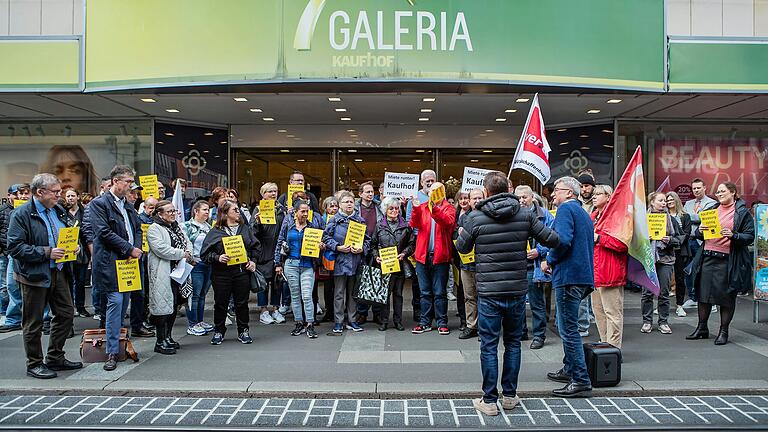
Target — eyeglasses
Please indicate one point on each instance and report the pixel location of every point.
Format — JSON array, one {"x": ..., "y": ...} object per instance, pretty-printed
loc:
[
  {"x": 55, "y": 192},
  {"x": 129, "y": 181},
  {"x": 173, "y": 211},
  {"x": 560, "y": 189}
]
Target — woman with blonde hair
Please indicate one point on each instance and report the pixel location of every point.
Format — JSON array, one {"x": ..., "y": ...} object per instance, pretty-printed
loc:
[{"x": 682, "y": 253}]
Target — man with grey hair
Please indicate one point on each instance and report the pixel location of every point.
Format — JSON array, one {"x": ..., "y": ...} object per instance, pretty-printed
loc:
[
  {"x": 571, "y": 265},
  {"x": 33, "y": 236},
  {"x": 428, "y": 177},
  {"x": 116, "y": 236}
]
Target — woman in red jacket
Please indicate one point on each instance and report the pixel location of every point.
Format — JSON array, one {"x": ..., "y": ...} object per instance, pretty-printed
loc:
[{"x": 610, "y": 275}]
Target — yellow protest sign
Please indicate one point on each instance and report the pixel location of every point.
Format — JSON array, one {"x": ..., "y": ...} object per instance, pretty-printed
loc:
[
  {"x": 267, "y": 212},
  {"x": 293, "y": 188},
  {"x": 310, "y": 245},
  {"x": 68, "y": 238},
  {"x": 710, "y": 223},
  {"x": 234, "y": 247},
  {"x": 554, "y": 212},
  {"x": 144, "y": 243},
  {"x": 467, "y": 258},
  {"x": 389, "y": 261},
  {"x": 18, "y": 203},
  {"x": 437, "y": 196},
  {"x": 657, "y": 225},
  {"x": 412, "y": 260},
  {"x": 355, "y": 235},
  {"x": 310, "y": 216},
  {"x": 128, "y": 276},
  {"x": 149, "y": 186}
]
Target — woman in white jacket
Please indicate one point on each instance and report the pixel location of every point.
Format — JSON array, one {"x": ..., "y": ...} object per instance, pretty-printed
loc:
[{"x": 167, "y": 246}]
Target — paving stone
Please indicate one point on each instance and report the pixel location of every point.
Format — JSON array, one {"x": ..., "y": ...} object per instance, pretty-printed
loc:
[
  {"x": 640, "y": 417},
  {"x": 653, "y": 409},
  {"x": 243, "y": 418},
  {"x": 370, "y": 403},
  {"x": 175, "y": 409},
  {"x": 561, "y": 410},
  {"x": 394, "y": 420},
  {"x": 418, "y": 422},
  {"x": 543, "y": 418},
  {"x": 370, "y": 412},
  {"x": 625, "y": 403},
  {"x": 193, "y": 418},
  {"x": 226, "y": 410},
  {"x": 207, "y": 404},
  {"x": 253, "y": 404},
  {"x": 667, "y": 419},
  {"x": 293, "y": 419},
  {"x": 117, "y": 419},
  {"x": 317, "y": 421},
  {"x": 160, "y": 403},
  {"x": 273, "y": 410},
  {"x": 217, "y": 420},
  {"x": 299, "y": 404},
  {"x": 324, "y": 403},
  {"x": 343, "y": 419},
  {"x": 368, "y": 422},
  {"x": 417, "y": 403},
  {"x": 267, "y": 420},
  {"x": 396, "y": 406},
  {"x": 444, "y": 420},
  {"x": 569, "y": 420},
  {"x": 277, "y": 403},
  {"x": 592, "y": 417},
  {"x": 167, "y": 419},
  {"x": 440, "y": 405},
  {"x": 473, "y": 421},
  {"x": 417, "y": 411},
  {"x": 713, "y": 402},
  {"x": 346, "y": 405},
  {"x": 670, "y": 403},
  {"x": 534, "y": 404},
  {"x": 321, "y": 411}
]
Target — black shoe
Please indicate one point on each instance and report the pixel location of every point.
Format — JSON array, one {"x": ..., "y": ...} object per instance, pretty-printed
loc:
[
  {"x": 574, "y": 390},
  {"x": 83, "y": 313},
  {"x": 462, "y": 326},
  {"x": 701, "y": 332},
  {"x": 398, "y": 327},
  {"x": 142, "y": 332},
  {"x": 537, "y": 343},
  {"x": 46, "y": 327},
  {"x": 722, "y": 337},
  {"x": 298, "y": 329},
  {"x": 64, "y": 365},
  {"x": 164, "y": 348},
  {"x": 9, "y": 328},
  {"x": 111, "y": 363},
  {"x": 311, "y": 333},
  {"x": 173, "y": 343},
  {"x": 41, "y": 372},
  {"x": 468, "y": 333},
  {"x": 147, "y": 325},
  {"x": 383, "y": 327},
  {"x": 524, "y": 337},
  {"x": 559, "y": 376}
]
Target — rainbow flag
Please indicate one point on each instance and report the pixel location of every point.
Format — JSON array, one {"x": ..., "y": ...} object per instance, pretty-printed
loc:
[{"x": 625, "y": 218}]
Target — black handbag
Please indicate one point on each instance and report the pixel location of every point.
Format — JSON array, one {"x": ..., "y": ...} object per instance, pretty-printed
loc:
[
  {"x": 373, "y": 286},
  {"x": 258, "y": 282}
]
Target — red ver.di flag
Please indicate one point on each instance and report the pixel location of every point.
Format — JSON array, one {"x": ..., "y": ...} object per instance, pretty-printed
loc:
[{"x": 532, "y": 152}]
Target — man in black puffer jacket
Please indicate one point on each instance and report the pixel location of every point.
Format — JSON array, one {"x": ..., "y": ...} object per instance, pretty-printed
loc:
[{"x": 498, "y": 231}]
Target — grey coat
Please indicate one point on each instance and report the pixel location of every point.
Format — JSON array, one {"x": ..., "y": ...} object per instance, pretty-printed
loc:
[{"x": 161, "y": 253}]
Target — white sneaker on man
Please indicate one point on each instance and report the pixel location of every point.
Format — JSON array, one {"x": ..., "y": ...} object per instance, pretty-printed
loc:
[
  {"x": 485, "y": 408},
  {"x": 266, "y": 318},
  {"x": 283, "y": 309},
  {"x": 509, "y": 403},
  {"x": 689, "y": 304},
  {"x": 451, "y": 297},
  {"x": 278, "y": 317},
  {"x": 680, "y": 311},
  {"x": 207, "y": 327},
  {"x": 196, "y": 330}
]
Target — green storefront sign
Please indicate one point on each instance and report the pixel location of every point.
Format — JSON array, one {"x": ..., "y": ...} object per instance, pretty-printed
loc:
[{"x": 576, "y": 43}]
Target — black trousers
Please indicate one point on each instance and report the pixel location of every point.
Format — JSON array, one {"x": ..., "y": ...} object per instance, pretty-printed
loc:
[
  {"x": 234, "y": 283},
  {"x": 34, "y": 299},
  {"x": 395, "y": 298}
]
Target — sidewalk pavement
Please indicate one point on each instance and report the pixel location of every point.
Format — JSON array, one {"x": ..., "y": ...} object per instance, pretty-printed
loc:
[{"x": 392, "y": 364}]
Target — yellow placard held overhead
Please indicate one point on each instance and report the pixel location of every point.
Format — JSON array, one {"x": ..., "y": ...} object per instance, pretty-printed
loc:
[
  {"x": 149, "y": 186},
  {"x": 235, "y": 248},
  {"x": 710, "y": 222},
  {"x": 310, "y": 245},
  {"x": 128, "y": 276},
  {"x": 293, "y": 188},
  {"x": 467, "y": 258},
  {"x": 437, "y": 196},
  {"x": 389, "y": 261},
  {"x": 355, "y": 235},
  {"x": 18, "y": 203},
  {"x": 68, "y": 239},
  {"x": 144, "y": 243},
  {"x": 657, "y": 225},
  {"x": 267, "y": 212}
]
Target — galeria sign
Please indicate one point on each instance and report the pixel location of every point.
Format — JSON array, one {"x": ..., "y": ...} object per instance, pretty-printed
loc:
[
  {"x": 398, "y": 185},
  {"x": 473, "y": 178}
]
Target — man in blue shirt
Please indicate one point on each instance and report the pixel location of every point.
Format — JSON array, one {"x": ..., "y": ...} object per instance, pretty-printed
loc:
[{"x": 33, "y": 239}]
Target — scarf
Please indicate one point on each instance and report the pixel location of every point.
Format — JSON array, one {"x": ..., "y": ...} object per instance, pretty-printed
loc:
[{"x": 178, "y": 241}]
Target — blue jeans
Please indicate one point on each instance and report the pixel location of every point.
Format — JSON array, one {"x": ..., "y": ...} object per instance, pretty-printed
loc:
[
  {"x": 500, "y": 316},
  {"x": 434, "y": 299},
  {"x": 538, "y": 309},
  {"x": 201, "y": 283},
  {"x": 13, "y": 312},
  {"x": 117, "y": 306},
  {"x": 301, "y": 281},
  {"x": 3, "y": 284},
  {"x": 585, "y": 312},
  {"x": 568, "y": 299},
  {"x": 271, "y": 295}
]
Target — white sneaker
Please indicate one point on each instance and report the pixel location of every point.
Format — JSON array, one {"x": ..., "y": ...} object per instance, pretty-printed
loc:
[
  {"x": 195, "y": 330},
  {"x": 283, "y": 309},
  {"x": 689, "y": 304},
  {"x": 509, "y": 403},
  {"x": 680, "y": 311},
  {"x": 97, "y": 318},
  {"x": 714, "y": 308},
  {"x": 207, "y": 327},
  {"x": 451, "y": 297},
  {"x": 228, "y": 322},
  {"x": 266, "y": 318},
  {"x": 319, "y": 310},
  {"x": 278, "y": 317},
  {"x": 485, "y": 408},
  {"x": 655, "y": 311}
]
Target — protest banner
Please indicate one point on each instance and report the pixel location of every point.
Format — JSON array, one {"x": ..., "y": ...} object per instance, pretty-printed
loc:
[
  {"x": 710, "y": 223},
  {"x": 389, "y": 261},
  {"x": 310, "y": 245},
  {"x": 399, "y": 185},
  {"x": 267, "y": 212},
  {"x": 68, "y": 239},
  {"x": 128, "y": 276},
  {"x": 467, "y": 258},
  {"x": 149, "y": 186},
  {"x": 235, "y": 249},
  {"x": 473, "y": 178},
  {"x": 355, "y": 235},
  {"x": 144, "y": 243},
  {"x": 657, "y": 225},
  {"x": 292, "y": 189}
]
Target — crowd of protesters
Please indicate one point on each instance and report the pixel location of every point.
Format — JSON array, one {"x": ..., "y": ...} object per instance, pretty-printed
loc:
[{"x": 528, "y": 249}]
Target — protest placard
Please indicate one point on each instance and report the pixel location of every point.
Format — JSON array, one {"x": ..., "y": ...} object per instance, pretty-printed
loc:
[
  {"x": 710, "y": 222},
  {"x": 68, "y": 239},
  {"x": 389, "y": 261},
  {"x": 128, "y": 276},
  {"x": 355, "y": 235},
  {"x": 267, "y": 212},
  {"x": 148, "y": 184},
  {"x": 399, "y": 185},
  {"x": 657, "y": 225},
  {"x": 235, "y": 248},
  {"x": 310, "y": 245},
  {"x": 292, "y": 189},
  {"x": 473, "y": 178}
]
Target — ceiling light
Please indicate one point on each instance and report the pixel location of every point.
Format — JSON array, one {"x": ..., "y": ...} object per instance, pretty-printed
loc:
[
  {"x": 180, "y": 151},
  {"x": 564, "y": 143},
  {"x": 607, "y": 131},
  {"x": 417, "y": 160},
  {"x": 426, "y": 110},
  {"x": 608, "y": 146},
  {"x": 420, "y": 151},
  {"x": 268, "y": 119},
  {"x": 256, "y": 110},
  {"x": 297, "y": 139},
  {"x": 240, "y": 99},
  {"x": 191, "y": 144},
  {"x": 291, "y": 136},
  {"x": 593, "y": 111},
  {"x": 353, "y": 136},
  {"x": 282, "y": 131},
  {"x": 614, "y": 101},
  {"x": 300, "y": 160},
  {"x": 341, "y": 110},
  {"x": 428, "y": 99},
  {"x": 421, "y": 131},
  {"x": 583, "y": 148},
  {"x": 284, "y": 150},
  {"x": 160, "y": 142},
  {"x": 351, "y": 130},
  {"x": 583, "y": 136},
  {"x": 249, "y": 160},
  {"x": 168, "y": 134},
  {"x": 148, "y": 100},
  {"x": 522, "y": 100},
  {"x": 222, "y": 142},
  {"x": 217, "y": 156},
  {"x": 423, "y": 118},
  {"x": 562, "y": 130},
  {"x": 334, "y": 99},
  {"x": 352, "y": 151},
  {"x": 172, "y": 110},
  {"x": 346, "y": 119},
  {"x": 489, "y": 130},
  {"x": 483, "y": 134},
  {"x": 358, "y": 160},
  {"x": 510, "y": 111},
  {"x": 487, "y": 151},
  {"x": 208, "y": 134},
  {"x": 474, "y": 160},
  {"x": 206, "y": 151},
  {"x": 501, "y": 119}
]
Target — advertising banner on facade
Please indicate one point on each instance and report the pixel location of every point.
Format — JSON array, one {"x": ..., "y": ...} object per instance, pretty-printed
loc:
[
  {"x": 761, "y": 252},
  {"x": 741, "y": 161}
]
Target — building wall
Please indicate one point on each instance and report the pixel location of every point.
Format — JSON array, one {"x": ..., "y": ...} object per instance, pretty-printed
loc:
[
  {"x": 724, "y": 18},
  {"x": 41, "y": 17}
]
